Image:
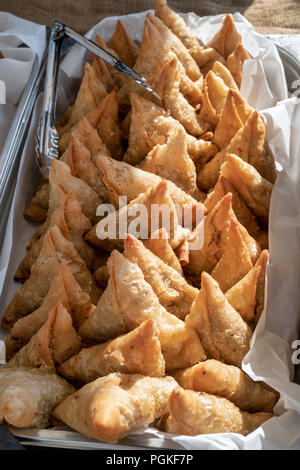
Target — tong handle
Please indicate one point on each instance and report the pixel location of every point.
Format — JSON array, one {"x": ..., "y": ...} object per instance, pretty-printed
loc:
[
  {"x": 47, "y": 136},
  {"x": 103, "y": 54}
]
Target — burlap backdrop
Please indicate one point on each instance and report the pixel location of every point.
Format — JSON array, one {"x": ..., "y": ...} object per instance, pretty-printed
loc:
[{"x": 268, "y": 16}]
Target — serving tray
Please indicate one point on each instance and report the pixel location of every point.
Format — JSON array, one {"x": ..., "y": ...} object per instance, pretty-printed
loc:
[{"x": 63, "y": 437}]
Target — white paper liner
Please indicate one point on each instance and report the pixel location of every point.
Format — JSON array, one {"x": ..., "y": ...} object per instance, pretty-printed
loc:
[
  {"x": 18, "y": 60},
  {"x": 269, "y": 359}
]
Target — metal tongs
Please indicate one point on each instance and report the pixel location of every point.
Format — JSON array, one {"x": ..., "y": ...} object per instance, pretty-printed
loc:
[{"x": 47, "y": 135}]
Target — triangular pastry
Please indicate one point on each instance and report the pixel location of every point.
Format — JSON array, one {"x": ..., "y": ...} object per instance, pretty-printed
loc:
[
  {"x": 235, "y": 62},
  {"x": 128, "y": 301},
  {"x": 229, "y": 382},
  {"x": 28, "y": 396},
  {"x": 159, "y": 244},
  {"x": 253, "y": 188},
  {"x": 172, "y": 161},
  {"x": 124, "y": 46},
  {"x": 172, "y": 290},
  {"x": 224, "y": 334},
  {"x": 137, "y": 352},
  {"x": 193, "y": 413},
  {"x": 113, "y": 406},
  {"x": 52, "y": 344},
  {"x": 227, "y": 38}
]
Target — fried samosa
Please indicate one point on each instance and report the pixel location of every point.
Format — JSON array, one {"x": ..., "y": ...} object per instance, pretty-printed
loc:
[
  {"x": 250, "y": 144},
  {"x": 113, "y": 406},
  {"x": 128, "y": 301},
  {"x": 224, "y": 334},
  {"x": 28, "y": 396},
  {"x": 124, "y": 46},
  {"x": 253, "y": 188},
  {"x": 137, "y": 352},
  {"x": 172, "y": 290},
  {"x": 52, "y": 344},
  {"x": 150, "y": 126},
  {"x": 204, "y": 56},
  {"x": 230, "y": 382},
  {"x": 193, "y": 413},
  {"x": 64, "y": 289},
  {"x": 235, "y": 62},
  {"x": 159, "y": 244},
  {"x": 227, "y": 38}
]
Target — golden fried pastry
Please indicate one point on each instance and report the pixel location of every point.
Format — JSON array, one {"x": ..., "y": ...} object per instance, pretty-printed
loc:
[
  {"x": 38, "y": 207},
  {"x": 168, "y": 88},
  {"x": 128, "y": 301},
  {"x": 250, "y": 144},
  {"x": 60, "y": 173},
  {"x": 214, "y": 97},
  {"x": 245, "y": 296},
  {"x": 124, "y": 46},
  {"x": 90, "y": 94},
  {"x": 253, "y": 188},
  {"x": 183, "y": 55},
  {"x": 193, "y": 413},
  {"x": 235, "y": 261},
  {"x": 137, "y": 352},
  {"x": 159, "y": 244},
  {"x": 79, "y": 160},
  {"x": 240, "y": 208},
  {"x": 224, "y": 334},
  {"x": 153, "y": 55},
  {"x": 150, "y": 126},
  {"x": 104, "y": 118},
  {"x": 146, "y": 213},
  {"x": 235, "y": 62},
  {"x": 72, "y": 224},
  {"x": 227, "y": 38},
  {"x": 113, "y": 406},
  {"x": 172, "y": 290},
  {"x": 233, "y": 117},
  {"x": 31, "y": 294},
  {"x": 230, "y": 382},
  {"x": 64, "y": 289},
  {"x": 210, "y": 239},
  {"x": 172, "y": 161},
  {"x": 125, "y": 180},
  {"x": 101, "y": 69},
  {"x": 28, "y": 396},
  {"x": 52, "y": 344},
  {"x": 222, "y": 71},
  {"x": 204, "y": 56}
]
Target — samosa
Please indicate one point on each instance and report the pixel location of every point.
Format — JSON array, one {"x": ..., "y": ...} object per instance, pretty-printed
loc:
[
  {"x": 172, "y": 161},
  {"x": 172, "y": 290},
  {"x": 128, "y": 301},
  {"x": 250, "y": 144},
  {"x": 137, "y": 352},
  {"x": 193, "y": 413},
  {"x": 28, "y": 396},
  {"x": 253, "y": 188},
  {"x": 124, "y": 46},
  {"x": 52, "y": 344},
  {"x": 227, "y": 38},
  {"x": 113, "y": 406},
  {"x": 224, "y": 334},
  {"x": 230, "y": 382}
]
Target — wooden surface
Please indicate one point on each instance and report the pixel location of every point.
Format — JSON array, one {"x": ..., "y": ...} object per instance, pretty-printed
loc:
[{"x": 268, "y": 16}]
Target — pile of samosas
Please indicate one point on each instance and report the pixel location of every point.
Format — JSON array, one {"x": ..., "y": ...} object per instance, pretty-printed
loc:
[{"x": 109, "y": 335}]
